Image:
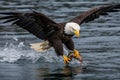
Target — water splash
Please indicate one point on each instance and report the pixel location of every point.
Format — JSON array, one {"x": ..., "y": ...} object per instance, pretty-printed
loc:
[
  {"x": 16, "y": 53},
  {"x": 13, "y": 53}
]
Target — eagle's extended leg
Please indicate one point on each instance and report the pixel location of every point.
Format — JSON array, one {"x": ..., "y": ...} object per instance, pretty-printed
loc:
[
  {"x": 75, "y": 53},
  {"x": 57, "y": 44}
]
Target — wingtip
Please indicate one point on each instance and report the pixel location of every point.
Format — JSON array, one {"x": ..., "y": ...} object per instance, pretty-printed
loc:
[
  {"x": 117, "y": 5},
  {"x": 8, "y": 13},
  {"x": 35, "y": 12}
]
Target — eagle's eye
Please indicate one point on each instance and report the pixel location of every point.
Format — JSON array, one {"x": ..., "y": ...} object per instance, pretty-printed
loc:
[{"x": 72, "y": 28}]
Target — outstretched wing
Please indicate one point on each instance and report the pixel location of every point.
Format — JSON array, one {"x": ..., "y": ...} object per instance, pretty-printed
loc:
[
  {"x": 95, "y": 13},
  {"x": 34, "y": 22}
]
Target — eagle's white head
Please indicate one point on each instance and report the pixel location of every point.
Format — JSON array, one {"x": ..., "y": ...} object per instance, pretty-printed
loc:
[{"x": 72, "y": 28}]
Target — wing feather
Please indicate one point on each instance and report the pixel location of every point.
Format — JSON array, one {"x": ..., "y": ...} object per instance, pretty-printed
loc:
[
  {"x": 94, "y": 13},
  {"x": 34, "y": 22}
]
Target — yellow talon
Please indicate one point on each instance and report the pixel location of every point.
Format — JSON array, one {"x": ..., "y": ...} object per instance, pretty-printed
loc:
[
  {"x": 66, "y": 59},
  {"x": 76, "y": 54}
]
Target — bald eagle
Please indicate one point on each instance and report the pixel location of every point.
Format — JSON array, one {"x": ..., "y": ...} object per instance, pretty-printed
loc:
[{"x": 56, "y": 34}]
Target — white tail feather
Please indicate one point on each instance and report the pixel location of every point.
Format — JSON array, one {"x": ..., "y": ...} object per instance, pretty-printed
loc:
[{"x": 41, "y": 47}]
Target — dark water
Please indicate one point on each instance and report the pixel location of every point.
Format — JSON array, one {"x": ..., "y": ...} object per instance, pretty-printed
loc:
[{"x": 99, "y": 44}]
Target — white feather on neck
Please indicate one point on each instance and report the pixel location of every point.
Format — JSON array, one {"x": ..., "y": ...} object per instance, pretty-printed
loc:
[{"x": 69, "y": 28}]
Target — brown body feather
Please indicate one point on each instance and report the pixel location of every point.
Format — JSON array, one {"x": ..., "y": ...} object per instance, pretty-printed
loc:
[{"x": 46, "y": 29}]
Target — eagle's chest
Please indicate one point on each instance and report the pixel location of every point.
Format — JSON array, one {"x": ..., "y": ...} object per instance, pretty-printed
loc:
[{"x": 65, "y": 38}]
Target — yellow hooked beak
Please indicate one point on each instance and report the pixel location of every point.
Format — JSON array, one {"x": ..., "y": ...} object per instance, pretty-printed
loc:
[{"x": 77, "y": 33}]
